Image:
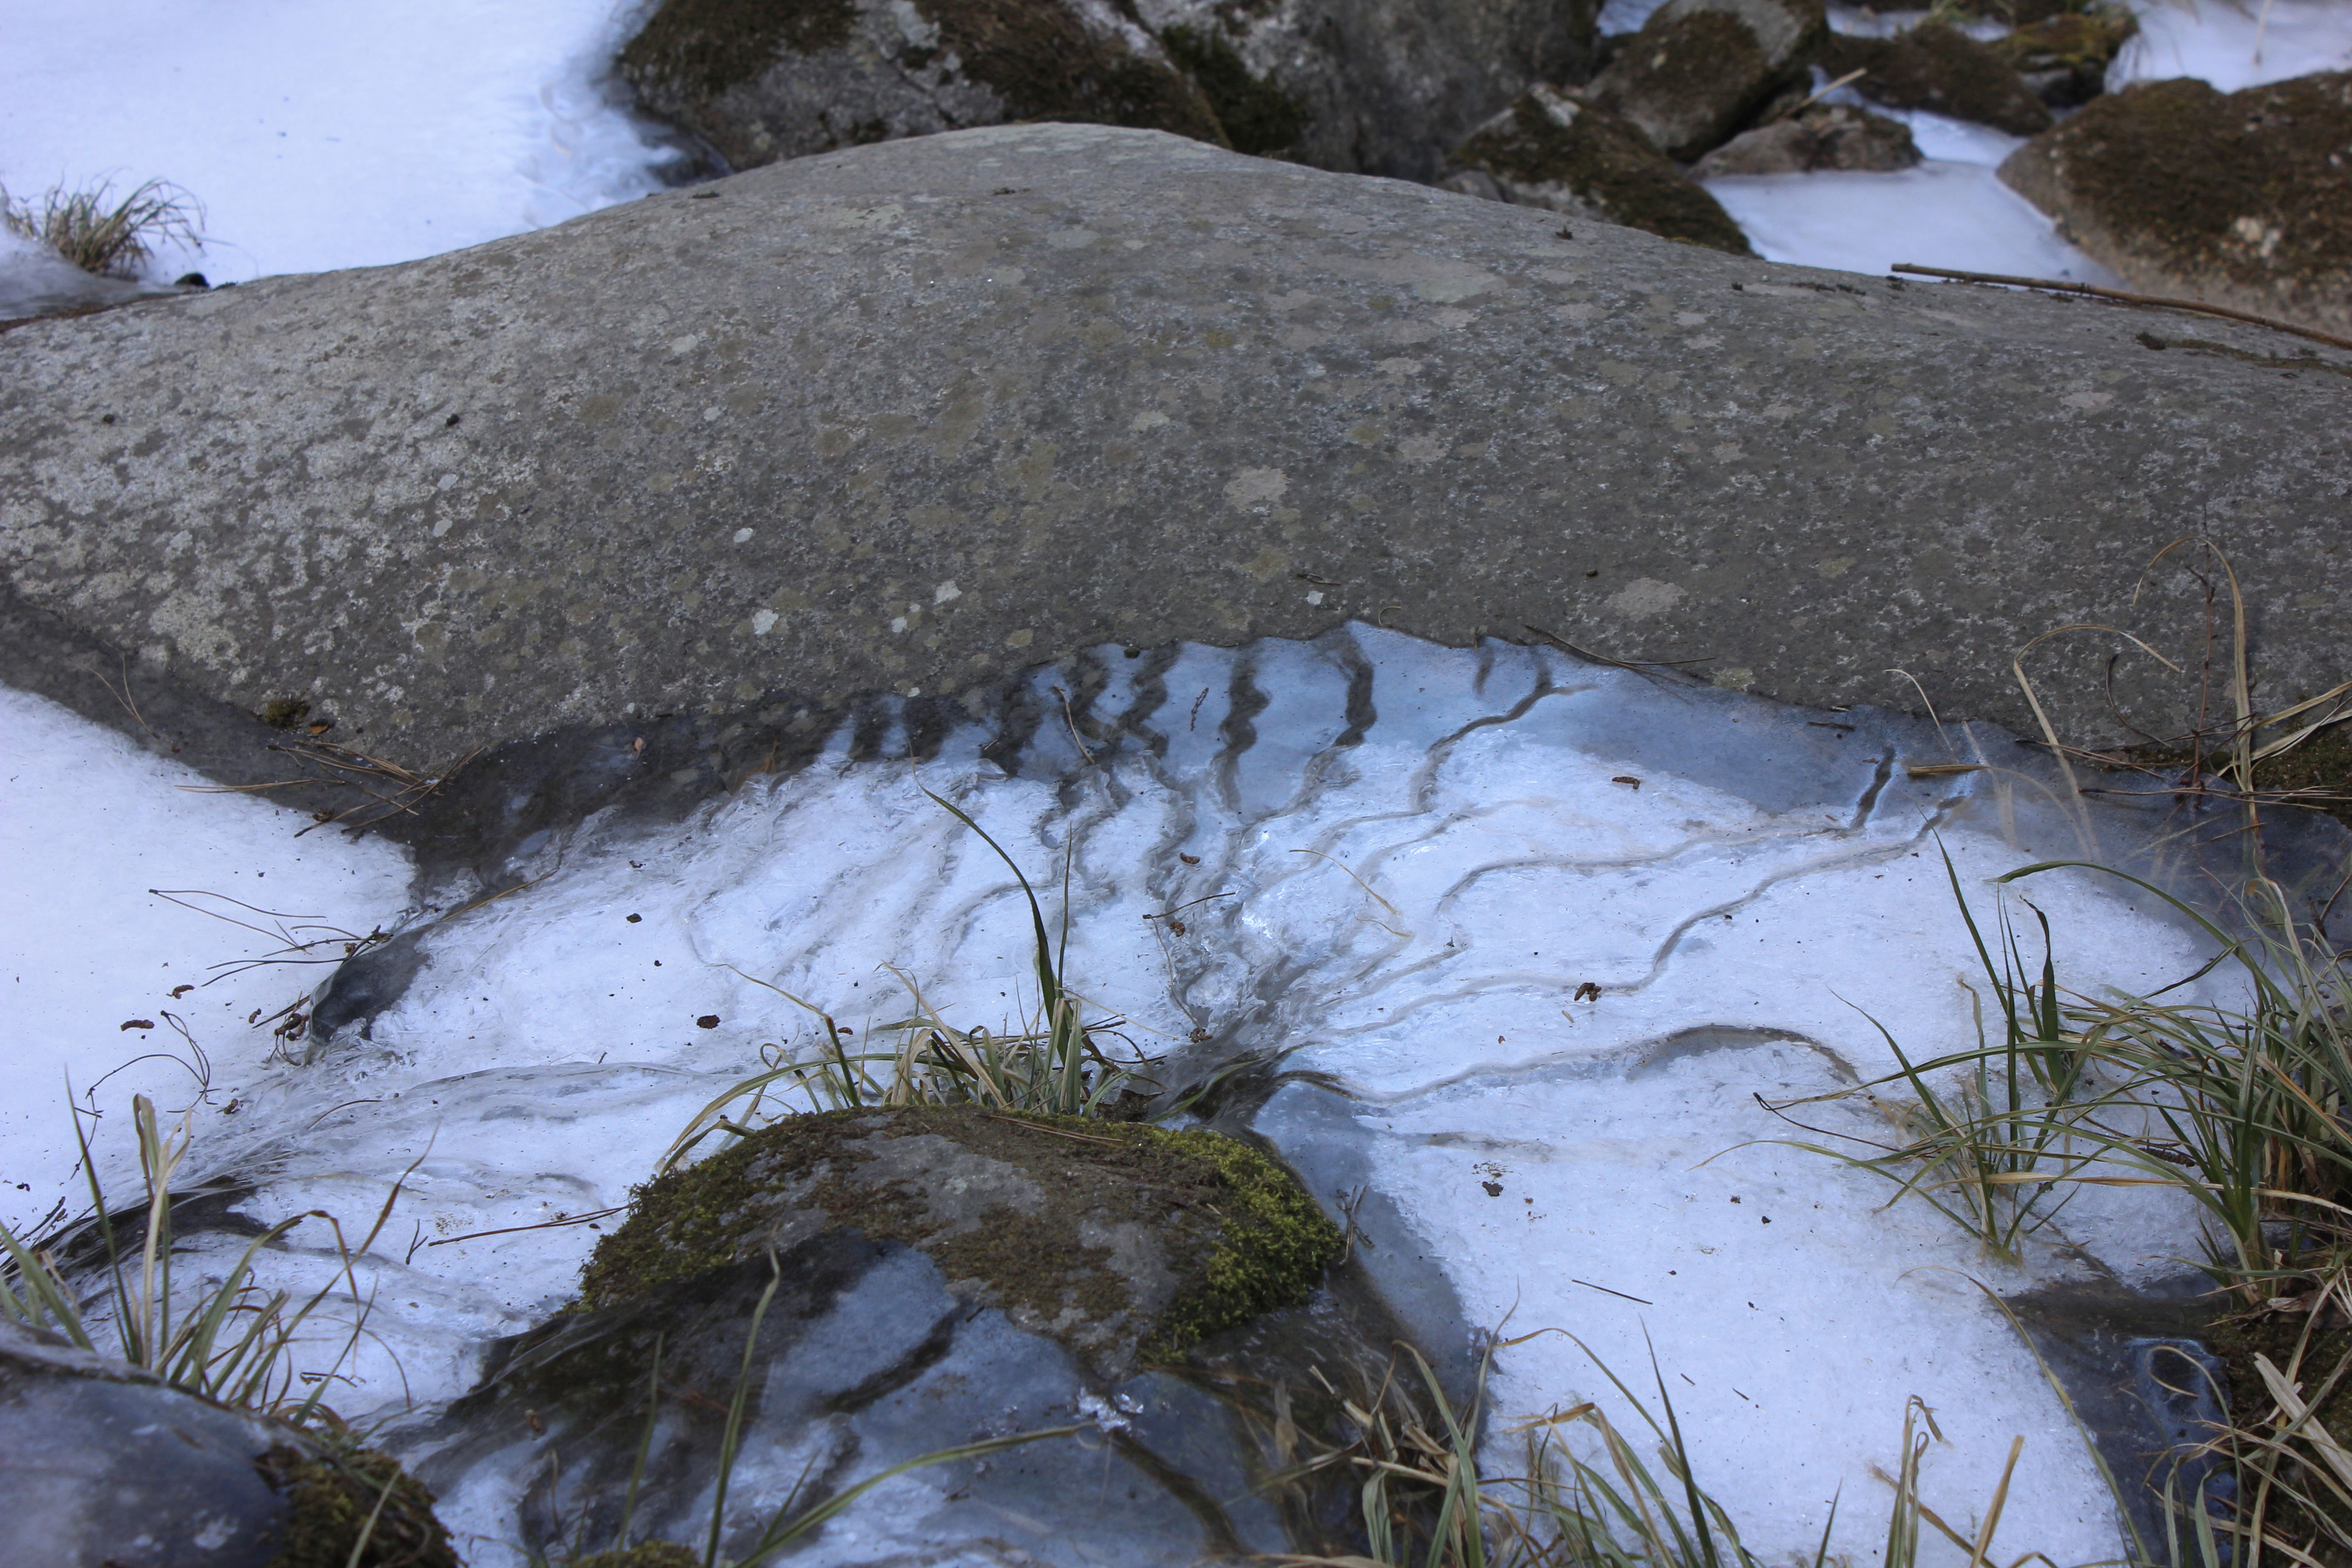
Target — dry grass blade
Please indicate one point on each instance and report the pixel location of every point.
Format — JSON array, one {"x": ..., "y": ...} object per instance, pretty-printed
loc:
[{"x": 100, "y": 235}]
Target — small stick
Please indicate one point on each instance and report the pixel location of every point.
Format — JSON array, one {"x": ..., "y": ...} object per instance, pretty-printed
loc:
[{"x": 2059, "y": 286}]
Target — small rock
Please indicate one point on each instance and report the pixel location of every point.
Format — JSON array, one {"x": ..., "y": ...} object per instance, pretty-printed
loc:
[
  {"x": 2064, "y": 58},
  {"x": 1555, "y": 150},
  {"x": 2242, "y": 199},
  {"x": 1823, "y": 136},
  {"x": 1940, "y": 69},
  {"x": 1698, "y": 68}
]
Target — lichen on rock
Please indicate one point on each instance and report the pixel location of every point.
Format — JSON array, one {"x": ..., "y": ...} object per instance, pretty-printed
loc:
[
  {"x": 1127, "y": 1243},
  {"x": 2242, "y": 199},
  {"x": 1559, "y": 150}
]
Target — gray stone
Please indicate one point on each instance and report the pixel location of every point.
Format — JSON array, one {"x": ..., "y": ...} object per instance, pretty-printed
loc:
[
  {"x": 1823, "y": 136},
  {"x": 1561, "y": 152},
  {"x": 1698, "y": 68},
  {"x": 2240, "y": 199},
  {"x": 861, "y": 422}
]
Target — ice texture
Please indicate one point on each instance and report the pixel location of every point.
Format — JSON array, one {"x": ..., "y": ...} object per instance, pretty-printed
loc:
[{"x": 1508, "y": 942}]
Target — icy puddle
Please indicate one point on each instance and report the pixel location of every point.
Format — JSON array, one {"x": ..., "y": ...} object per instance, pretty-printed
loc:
[{"x": 1510, "y": 945}]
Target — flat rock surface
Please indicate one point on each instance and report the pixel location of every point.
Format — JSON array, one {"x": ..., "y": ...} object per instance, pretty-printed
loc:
[{"x": 914, "y": 415}]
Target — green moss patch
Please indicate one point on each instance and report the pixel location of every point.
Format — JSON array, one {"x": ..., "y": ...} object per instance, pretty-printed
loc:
[
  {"x": 1258, "y": 117},
  {"x": 1230, "y": 1232},
  {"x": 335, "y": 1496},
  {"x": 704, "y": 47}
]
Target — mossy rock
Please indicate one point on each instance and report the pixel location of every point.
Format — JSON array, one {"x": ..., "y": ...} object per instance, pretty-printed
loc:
[
  {"x": 339, "y": 1497},
  {"x": 1126, "y": 1243},
  {"x": 2242, "y": 199},
  {"x": 1557, "y": 150},
  {"x": 1698, "y": 68},
  {"x": 763, "y": 79},
  {"x": 1940, "y": 69}
]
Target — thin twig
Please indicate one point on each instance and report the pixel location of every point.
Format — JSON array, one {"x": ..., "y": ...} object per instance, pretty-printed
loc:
[{"x": 2059, "y": 286}]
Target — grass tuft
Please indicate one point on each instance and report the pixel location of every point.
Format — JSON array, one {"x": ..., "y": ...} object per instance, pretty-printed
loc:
[{"x": 101, "y": 234}]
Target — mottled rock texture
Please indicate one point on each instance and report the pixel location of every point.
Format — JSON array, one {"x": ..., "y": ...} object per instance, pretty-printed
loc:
[
  {"x": 1820, "y": 136},
  {"x": 1555, "y": 151},
  {"x": 1941, "y": 70},
  {"x": 915, "y": 415},
  {"x": 2242, "y": 199},
  {"x": 1698, "y": 68}
]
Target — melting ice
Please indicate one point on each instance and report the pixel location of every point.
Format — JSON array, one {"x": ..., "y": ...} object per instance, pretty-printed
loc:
[{"x": 1516, "y": 942}]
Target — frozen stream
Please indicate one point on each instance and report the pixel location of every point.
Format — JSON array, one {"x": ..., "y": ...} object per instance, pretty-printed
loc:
[{"x": 1518, "y": 940}]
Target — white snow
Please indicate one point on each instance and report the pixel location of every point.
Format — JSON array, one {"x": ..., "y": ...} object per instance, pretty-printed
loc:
[
  {"x": 2233, "y": 45},
  {"x": 325, "y": 133},
  {"x": 89, "y": 825},
  {"x": 1412, "y": 918}
]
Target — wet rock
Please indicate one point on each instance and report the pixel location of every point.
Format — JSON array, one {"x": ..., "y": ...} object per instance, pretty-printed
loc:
[
  {"x": 1559, "y": 152},
  {"x": 105, "y": 1465},
  {"x": 2063, "y": 58},
  {"x": 908, "y": 1281},
  {"x": 763, "y": 79},
  {"x": 1374, "y": 87},
  {"x": 1699, "y": 67},
  {"x": 1940, "y": 69},
  {"x": 1820, "y": 136},
  {"x": 2241, "y": 199},
  {"x": 1124, "y": 1242}
]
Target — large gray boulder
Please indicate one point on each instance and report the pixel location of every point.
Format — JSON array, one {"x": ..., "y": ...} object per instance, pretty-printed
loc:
[{"x": 915, "y": 415}]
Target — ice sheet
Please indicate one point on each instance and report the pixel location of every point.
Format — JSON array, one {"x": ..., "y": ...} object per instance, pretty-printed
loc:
[
  {"x": 325, "y": 135},
  {"x": 1522, "y": 999},
  {"x": 88, "y": 825}
]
